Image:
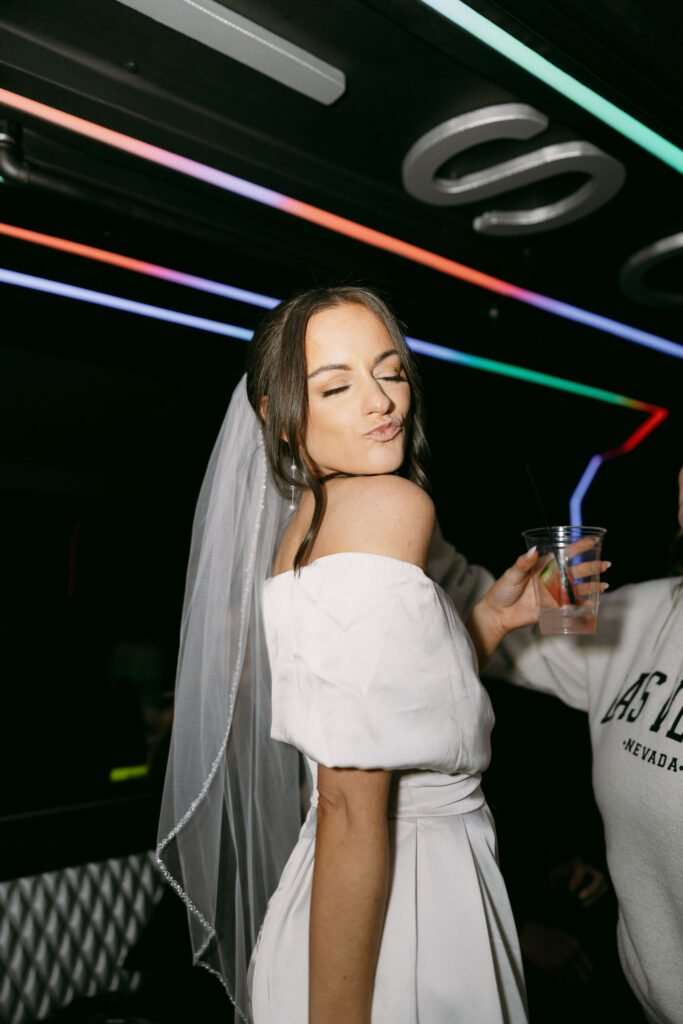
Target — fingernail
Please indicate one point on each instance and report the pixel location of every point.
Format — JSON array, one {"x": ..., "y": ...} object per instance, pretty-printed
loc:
[
  {"x": 606, "y": 565},
  {"x": 604, "y": 586},
  {"x": 531, "y": 551}
]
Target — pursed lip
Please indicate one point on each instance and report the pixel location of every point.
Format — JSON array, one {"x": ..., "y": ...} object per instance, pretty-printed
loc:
[{"x": 385, "y": 431}]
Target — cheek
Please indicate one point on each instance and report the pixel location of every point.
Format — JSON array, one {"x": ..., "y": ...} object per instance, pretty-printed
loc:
[{"x": 323, "y": 430}]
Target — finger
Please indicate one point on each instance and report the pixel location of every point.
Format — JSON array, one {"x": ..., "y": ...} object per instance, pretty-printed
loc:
[
  {"x": 579, "y": 546},
  {"x": 528, "y": 559},
  {"x": 583, "y": 569},
  {"x": 580, "y": 872},
  {"x": 588, "y": 589},
  {"x": 592, "y": 893},
  {"x": 519, "y": 572},
  {"x": 594, "y": 879},
  {"x": 597, "y": 895}
]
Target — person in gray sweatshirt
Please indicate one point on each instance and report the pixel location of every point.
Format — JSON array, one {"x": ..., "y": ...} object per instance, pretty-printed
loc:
[{"x": 629, "y": 680}]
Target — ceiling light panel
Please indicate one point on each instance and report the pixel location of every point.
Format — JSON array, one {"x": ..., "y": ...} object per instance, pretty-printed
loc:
[{"x": 214, "y": 25}]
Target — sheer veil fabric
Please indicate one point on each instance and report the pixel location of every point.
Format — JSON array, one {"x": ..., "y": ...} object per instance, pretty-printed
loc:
[{"x": 230, "y": 813}]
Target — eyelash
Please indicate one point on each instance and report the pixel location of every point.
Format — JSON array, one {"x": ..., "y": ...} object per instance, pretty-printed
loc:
[{"x": 397, "y": 378}]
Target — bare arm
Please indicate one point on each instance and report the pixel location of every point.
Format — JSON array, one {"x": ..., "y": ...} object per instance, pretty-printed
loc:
[
  {"x": 390, "y": 516},
  {"x": 349, "y": 893}
]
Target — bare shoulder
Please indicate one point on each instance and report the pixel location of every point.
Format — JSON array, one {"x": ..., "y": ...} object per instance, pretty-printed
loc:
[
  {"x": 391, "y": 491},
  {"x": 383, "y": 515}
]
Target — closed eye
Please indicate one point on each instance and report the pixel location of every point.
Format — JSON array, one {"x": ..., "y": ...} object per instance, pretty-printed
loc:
[
  {"x": 334, "y": 391},
  {"x": 399, "y": 377}
]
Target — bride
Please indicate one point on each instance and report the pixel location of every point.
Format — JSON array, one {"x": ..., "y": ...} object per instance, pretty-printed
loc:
[{"x": 311, "y": 626}]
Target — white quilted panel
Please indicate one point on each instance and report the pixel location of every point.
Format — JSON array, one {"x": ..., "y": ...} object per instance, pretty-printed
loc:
[{"x": 64, "y": 934}]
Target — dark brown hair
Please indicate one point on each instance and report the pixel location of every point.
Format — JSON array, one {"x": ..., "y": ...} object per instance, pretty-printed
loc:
[{"x": 277, "y": 370}]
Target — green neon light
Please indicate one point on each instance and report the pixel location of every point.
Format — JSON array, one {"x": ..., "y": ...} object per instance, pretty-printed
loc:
[
  {"x": 547, "y": 380},
  {"x": 135, "y": 771},
  {"x": 497, "y": 38}
]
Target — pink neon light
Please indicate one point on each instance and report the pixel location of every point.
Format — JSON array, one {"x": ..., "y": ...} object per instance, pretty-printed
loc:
[
  {"x": 155, "y": 154},
  {"x": 379, "y": 240},
  {"x": 115, "y": 259}
]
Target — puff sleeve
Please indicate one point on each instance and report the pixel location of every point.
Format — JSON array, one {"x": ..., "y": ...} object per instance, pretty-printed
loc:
[{"x": 372, "y": 668}]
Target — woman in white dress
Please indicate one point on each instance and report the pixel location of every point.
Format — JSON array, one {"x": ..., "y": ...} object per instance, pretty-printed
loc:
[{"x": 391, "y": 908}]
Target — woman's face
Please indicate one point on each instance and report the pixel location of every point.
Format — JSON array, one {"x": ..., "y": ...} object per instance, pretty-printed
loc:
[{"x": 358, "y": 395}]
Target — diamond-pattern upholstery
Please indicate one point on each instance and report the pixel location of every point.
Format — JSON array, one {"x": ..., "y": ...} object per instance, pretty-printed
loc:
[{"x": 65, "y": 933}]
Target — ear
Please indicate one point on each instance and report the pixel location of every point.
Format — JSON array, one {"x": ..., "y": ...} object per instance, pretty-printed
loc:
[{"x": 263, "y": 412}]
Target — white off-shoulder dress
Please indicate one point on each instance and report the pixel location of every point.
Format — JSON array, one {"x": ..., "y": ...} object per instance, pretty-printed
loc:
[{"x": 372, "y": 668}]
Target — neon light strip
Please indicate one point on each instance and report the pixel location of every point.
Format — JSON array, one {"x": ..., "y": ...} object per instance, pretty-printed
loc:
[
  {"x": 216, "y": 327},
  {"x": 139, "y": 266},
  {"x": 340, "y": 225},
  {"x": 486, "y": 31},
  {"x": 70, "y": 291},
  {"x": 522, "y": 373},
  {"x": 135, "y": 771},
  {"x": 657, "y": 414}
]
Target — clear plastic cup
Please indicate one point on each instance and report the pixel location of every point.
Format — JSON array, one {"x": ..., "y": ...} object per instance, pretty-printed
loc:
[{"x": 566, "y": 595}]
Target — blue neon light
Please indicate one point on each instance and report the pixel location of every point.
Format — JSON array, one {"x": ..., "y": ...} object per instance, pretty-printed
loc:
[{"x": 71, "y": 291}]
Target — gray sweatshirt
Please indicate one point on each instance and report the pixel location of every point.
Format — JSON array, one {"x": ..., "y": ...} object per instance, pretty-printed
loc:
[{"x": 629, "y": 678}]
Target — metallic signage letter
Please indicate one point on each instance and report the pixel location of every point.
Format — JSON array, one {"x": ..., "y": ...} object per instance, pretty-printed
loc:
[
  {"x": 509, "y": 121},
  {"x": 635, "y": 269}
]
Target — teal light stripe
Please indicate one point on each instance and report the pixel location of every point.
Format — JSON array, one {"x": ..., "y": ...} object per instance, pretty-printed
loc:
[
  {"x": 477, "y": 25},
  {"x": 547, "y": 380}
]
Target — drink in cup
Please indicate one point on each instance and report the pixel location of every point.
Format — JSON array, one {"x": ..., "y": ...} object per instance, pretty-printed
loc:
[{"x": 566, "y": 576}]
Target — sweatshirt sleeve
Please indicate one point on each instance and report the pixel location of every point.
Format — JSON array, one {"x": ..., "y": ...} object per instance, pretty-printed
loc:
[
  {"x": 551, "y": 664},
  {"x": 572, "y": 668},
  {"x": 464, "y": 583}
]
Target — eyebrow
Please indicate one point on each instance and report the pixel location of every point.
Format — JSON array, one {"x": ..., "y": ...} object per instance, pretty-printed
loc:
[{"x": 343, "y": 366}]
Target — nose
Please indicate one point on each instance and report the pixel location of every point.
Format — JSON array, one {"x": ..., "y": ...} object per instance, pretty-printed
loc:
[{"x": 376, "y": 399}]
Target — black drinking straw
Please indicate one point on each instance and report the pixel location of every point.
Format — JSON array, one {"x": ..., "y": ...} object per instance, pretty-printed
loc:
[{"x": 562, "y": 568}]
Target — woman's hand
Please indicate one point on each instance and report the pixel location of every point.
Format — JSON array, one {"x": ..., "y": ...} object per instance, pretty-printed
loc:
[
  {"x": 557, "y": 953},
  {"x": 511, "y": 603},
  {"x": 580, "y": 877}
]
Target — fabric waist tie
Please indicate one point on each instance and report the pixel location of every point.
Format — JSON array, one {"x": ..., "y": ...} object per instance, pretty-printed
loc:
[{"x": 432, "y": 795}]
